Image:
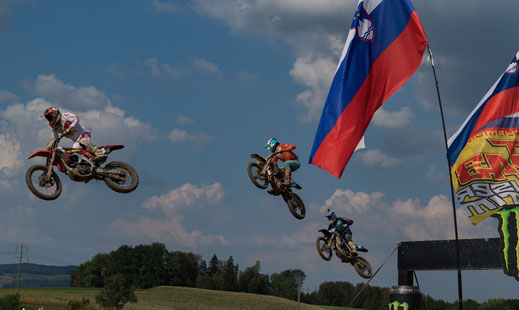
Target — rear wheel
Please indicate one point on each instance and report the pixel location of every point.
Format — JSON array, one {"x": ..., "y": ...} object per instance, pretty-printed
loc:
[
  {"x": 35, "y": 177},
  {"x": 124, "y": 180},
  {"x": 254, "y": 169},
  {"x": 323, "y": 249},
  {"x": 295, "y": 205},
  {"x": 363, "y": 267}
]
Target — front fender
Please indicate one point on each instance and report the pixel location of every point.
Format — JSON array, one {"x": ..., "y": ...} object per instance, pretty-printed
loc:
[
  {"x": 258, "y": 158},
  {"x": 41, "y": 153},
  {"x": 325, "y": 232}
]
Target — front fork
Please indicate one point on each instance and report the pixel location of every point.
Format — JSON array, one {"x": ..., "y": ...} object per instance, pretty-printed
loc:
[{"x": 49, "y": 165}]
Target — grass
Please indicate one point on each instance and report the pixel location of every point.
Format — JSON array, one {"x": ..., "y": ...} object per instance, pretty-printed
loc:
[
  {"x": 165, "y": 297},
  {"x": 337, "y": 308}
]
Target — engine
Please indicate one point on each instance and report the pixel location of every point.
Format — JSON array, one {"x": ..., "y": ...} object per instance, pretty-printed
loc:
[{"x": 81, "y": 168}]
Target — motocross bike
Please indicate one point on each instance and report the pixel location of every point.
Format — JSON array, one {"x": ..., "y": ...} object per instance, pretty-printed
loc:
[
  {"x": 44, "y": 183},
  {"x": 263, "y": 172},
  {"x": 333, "y": 241}
]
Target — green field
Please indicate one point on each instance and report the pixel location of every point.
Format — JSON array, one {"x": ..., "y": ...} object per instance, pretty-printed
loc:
[{"x": 177, "y": 298}]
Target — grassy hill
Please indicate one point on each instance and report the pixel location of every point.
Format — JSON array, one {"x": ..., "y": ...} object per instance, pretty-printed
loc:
[
  {"x": 165, "y": 297},
  {"x": 34, "y": 275}
]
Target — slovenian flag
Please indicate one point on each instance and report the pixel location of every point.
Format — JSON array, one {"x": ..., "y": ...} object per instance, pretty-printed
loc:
[{"x": 385, "y": 46}]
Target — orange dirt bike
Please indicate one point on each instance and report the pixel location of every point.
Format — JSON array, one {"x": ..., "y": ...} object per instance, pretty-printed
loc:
[
  {"x": 263, "y": 172},
  {"x": 44, "y": 183},
  {"x": 333, "y": 241}
]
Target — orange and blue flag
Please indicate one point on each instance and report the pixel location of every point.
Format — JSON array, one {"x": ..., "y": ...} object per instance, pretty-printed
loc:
[
  {"x": 385, "y": 46},
  {"x": 484, "y": 152}
]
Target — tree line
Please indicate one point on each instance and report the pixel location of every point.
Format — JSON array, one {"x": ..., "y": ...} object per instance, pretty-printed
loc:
[{"x": 146, "y": 266}]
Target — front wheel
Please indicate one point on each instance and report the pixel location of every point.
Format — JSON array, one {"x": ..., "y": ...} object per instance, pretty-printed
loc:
[
  {"x": 254, "y": 169},
  {"x": 323, "y": 249},
  {"x": 363, "y": 267},
  {"x": 295, "y": 205},
  {"x": 124, "y": 179},
  {"x": 35, "y": 177}
]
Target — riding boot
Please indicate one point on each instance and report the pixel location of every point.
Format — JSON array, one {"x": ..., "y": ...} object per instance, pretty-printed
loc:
[
  {"x": 353, "y": 248},
  {"x": 288, "y": 178},
  {"x": 98, "y": 155}
]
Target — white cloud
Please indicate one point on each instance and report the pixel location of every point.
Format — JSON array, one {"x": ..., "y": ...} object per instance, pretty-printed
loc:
[
  {"x": 164, "y": 6},
  {"x": 67, "y": 96},
  {"x": 316, "y": 74},
  {"x": 376, "y": 159},
  {"x": 195, "y": 141},
  {"x": 207, "y": 66},
  {"x": 6, "y": 96},
  {"x": 10, "y": 156},
  {"x": 346, "y": 200},
  {"x": 116, "y": 69},
  {"x": 246, "y": 76},
  {"x": 185, "y": 196},
  {"x": 163, "y": 69},
  {"x": 185, "y": 120},
  {"x": 433, "y": 174},
  {"x": 395, "y": 119},
  {"x": 171, "y": 228},
  {"x": 405, "y": 219},
  {"x": 109, "y": 124}
]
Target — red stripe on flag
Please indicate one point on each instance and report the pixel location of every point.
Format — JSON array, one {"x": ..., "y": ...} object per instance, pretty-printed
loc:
[
  {"x": 501, "y": 105},
  {"x": 393, "y": 67}
]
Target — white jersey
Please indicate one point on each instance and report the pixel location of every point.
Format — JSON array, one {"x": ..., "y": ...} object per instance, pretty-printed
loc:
[{"x": 68, "y": 121}]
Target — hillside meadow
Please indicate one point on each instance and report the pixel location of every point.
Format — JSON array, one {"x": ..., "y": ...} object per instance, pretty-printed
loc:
[{"x": 164, "y": 297}]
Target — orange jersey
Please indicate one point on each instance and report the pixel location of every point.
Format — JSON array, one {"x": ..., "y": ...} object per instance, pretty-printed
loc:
[{"x": 285, "y": 153}]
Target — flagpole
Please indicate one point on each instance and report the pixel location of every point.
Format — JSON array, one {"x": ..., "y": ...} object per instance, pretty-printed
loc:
[{"x": 460, "y": 291}]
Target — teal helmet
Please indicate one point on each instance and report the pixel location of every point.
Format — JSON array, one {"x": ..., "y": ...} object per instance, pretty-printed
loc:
[{"x": 271, "y": 144}]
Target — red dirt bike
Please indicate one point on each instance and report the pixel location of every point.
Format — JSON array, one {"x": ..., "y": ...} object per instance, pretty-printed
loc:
[
  {"x": 263, "y": 172},
  {"x": 44, "y": 183}
]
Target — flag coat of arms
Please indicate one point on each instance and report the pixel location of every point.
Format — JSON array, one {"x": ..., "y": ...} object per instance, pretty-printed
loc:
[
  {"x": 384, "y": 47},
  {"x": 484, "y": 152}
]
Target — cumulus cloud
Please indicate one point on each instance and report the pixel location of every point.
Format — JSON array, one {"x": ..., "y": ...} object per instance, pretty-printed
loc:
[
  {"x": 10, "y": 156},
  {"x": 67, "y": 96},
  {"x": 246, "y": 76},
  {"x": 185, "y": 120},
  {"x": 6, "y": 96},
  {"x": 376, "y": 159},
  {"x": 171, "y": 228},
  {"x": 164, "y": 6},
  {"x": 185, "y": 196},
  {"x": 316, "y": 74},
  {"x": 207, "y": 66},
  {"x": 396, "y": 119},
  {"x": 158, "y": 69},
  {"x": 409, "y": 219},
  {"x": 196, "y": 141},
  {"x": 109, "y": 124},
  {"x": 116, "y": 69},
  {"x": 349, "y": 201},
  {"x": 433, "y": 174}
]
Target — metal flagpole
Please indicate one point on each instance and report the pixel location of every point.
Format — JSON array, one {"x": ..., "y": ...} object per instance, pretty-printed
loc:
[{"x": 460, "y": 291}]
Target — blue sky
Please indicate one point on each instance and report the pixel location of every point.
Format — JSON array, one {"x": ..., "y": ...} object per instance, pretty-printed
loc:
[{"x": 193, "y": 87}]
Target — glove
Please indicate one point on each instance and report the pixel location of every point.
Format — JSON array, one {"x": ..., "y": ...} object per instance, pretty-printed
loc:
[{"x": 51, "y": 142}]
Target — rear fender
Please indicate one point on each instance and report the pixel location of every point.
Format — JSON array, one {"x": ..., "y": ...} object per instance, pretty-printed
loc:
[{"x": 258, "y": 158}]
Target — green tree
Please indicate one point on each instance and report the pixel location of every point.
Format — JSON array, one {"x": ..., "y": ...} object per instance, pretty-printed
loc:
[
  {"x": 214, "y": 265},
  {"x": 10, "y": 302},
  {"x": 116, "y": 293},
  {"x": 335, "y": 293},
  {"x": 230, "y": 275},
  {"x": 182, "y": 268},
  {"x": 283, "y": 286}
]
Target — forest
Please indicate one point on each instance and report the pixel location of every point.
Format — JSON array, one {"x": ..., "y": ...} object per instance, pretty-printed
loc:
[{"x": 146, "y": 266}]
